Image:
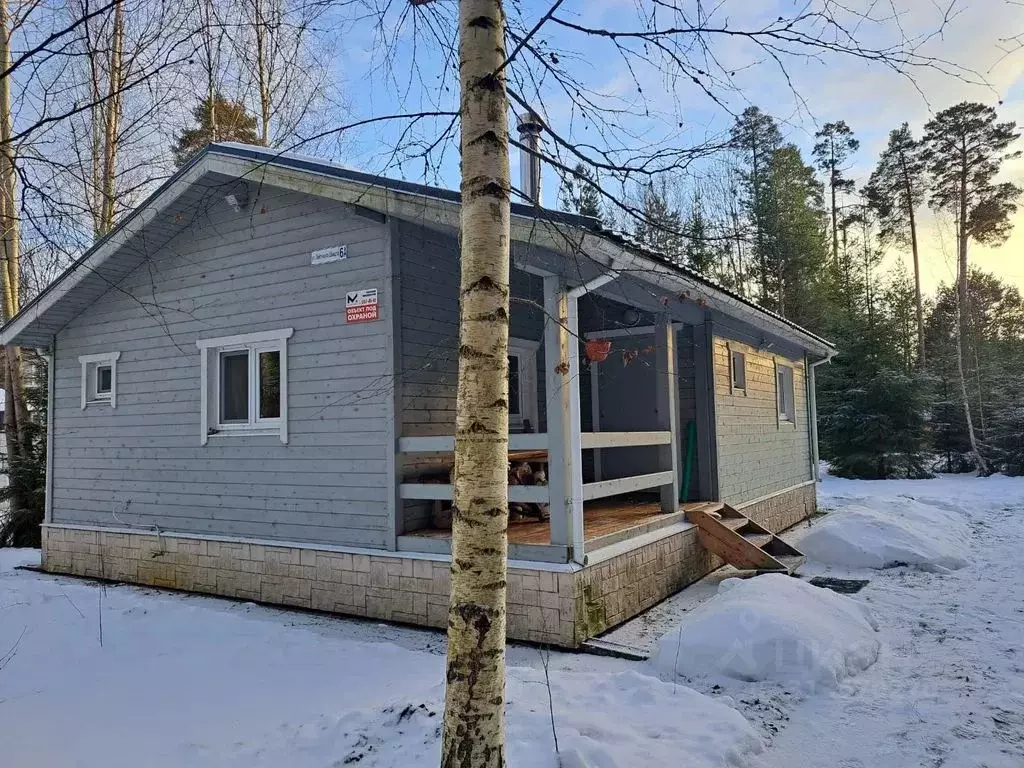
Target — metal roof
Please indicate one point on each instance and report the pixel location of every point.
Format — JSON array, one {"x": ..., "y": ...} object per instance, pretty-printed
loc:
[{"x": 189, "y": 190}]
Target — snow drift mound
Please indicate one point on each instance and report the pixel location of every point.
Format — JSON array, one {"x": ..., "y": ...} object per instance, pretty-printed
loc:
[
  {"x": 776, "y": 628},
  {"x": 625, "y": 720},
  {"x": 886, "y": 532}
]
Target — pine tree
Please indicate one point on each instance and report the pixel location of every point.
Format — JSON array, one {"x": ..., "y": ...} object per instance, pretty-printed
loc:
[
  {"x": 864, "y": 257},
  {"x": 756, "y": 137},
  {"x": 660, "y": 226},
  {"x": 895, "y": 191},
  {"x": 834, "y": 146},
  {"x": 580, "y": 193},
  {"x": 965, "y": 147},
  {"x": 219, "y": 120}
]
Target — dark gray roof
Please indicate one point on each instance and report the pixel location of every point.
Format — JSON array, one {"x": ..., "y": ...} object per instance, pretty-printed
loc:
[{"x": 270, "y": 157}]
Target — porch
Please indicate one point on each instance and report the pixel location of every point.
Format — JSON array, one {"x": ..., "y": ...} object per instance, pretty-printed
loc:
[{"x": 621, "y": 440}]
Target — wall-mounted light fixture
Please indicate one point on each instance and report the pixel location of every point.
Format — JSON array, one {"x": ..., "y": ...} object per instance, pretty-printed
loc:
[{"x": 237, "y": 201}]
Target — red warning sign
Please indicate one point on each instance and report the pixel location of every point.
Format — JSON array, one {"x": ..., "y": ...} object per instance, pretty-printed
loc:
[{"x": 361, "y": 306}]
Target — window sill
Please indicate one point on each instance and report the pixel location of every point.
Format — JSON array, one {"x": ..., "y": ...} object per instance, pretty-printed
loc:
[{"x": 255, "y": 431}]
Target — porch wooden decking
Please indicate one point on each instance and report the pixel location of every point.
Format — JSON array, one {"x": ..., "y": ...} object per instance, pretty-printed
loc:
[{"x": 604, "y": 521}]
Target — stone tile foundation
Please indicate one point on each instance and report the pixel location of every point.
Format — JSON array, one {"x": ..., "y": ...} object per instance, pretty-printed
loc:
[
  {"x": 779, "y": 512},
  {"x": 407, "y": 589},
  {"x": 562, "y": 605}
]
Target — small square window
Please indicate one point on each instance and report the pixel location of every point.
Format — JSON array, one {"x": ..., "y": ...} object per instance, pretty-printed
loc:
[
  {"x": 99, "y": 379},
  {"x": 739, "y": 371}
]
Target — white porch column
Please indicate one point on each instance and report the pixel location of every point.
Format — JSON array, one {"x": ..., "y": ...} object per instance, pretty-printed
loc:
[
  {"x": 667, "y": 402},
  {"x": 575, "y": 465},
  {"x": 561, "y": 356}
]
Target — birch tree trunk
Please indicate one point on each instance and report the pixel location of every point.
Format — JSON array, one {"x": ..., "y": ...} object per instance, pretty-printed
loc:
[
  {"x": 261, "y": 34},
  {"x": 212, "y": 52},
  {"x": 112, "y": 122},
  {"x": 15, "y": 412},
  {"x": 474, "y": 719}
]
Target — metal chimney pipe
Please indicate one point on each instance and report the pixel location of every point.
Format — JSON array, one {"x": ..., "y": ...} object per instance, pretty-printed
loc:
[{"x": 530, "y": 127}]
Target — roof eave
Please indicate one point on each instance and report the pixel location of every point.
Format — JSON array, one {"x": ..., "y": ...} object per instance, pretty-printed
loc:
[{"x": 18, "y": 330}]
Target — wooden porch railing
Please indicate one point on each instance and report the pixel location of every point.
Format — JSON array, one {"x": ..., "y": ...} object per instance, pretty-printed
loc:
[
  {"x": 565, "y": 441},
  {"x": 541, "y": 494}
]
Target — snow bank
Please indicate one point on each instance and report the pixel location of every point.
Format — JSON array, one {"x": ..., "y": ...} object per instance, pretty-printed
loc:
[
  {"x": 880, "y": 533},
  {"x": 772, "y": 627},
  {"x": 623, "y": 720}
]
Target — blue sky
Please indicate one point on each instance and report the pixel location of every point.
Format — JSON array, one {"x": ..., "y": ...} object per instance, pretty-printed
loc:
[{"x": 405, "y": 71}]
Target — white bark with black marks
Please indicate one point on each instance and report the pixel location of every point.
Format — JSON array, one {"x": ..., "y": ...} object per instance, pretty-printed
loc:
[{"x": 474, "y": 721}]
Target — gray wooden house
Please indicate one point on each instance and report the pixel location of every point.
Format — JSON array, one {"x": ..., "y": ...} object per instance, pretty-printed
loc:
[{"x": 252, "y": 393}]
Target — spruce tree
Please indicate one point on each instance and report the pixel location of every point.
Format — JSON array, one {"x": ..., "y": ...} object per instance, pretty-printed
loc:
[
  {"x": 792, "y": 247},
  {"x": 580, "y": 193},
  {"x": 873, "y": 406},
  {"x": 702, "y": 252},
  {"x": 995, "y": 348},
  {"x": 659, "y": 227}
]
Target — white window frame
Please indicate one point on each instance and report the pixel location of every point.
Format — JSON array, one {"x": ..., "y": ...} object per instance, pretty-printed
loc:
[
  {"x": 210, "y": 351},
  {"x": 90, "y": 379},
  {"x": 733, "y": 386},
  {"x": 785, "y": 396},
  {"x": 526, "y": 351}
]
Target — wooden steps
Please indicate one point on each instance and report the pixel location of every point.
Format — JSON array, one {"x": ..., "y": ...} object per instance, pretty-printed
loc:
[
  {"x": 758, "y": 539},
  {"x": 740, "y": 541}
]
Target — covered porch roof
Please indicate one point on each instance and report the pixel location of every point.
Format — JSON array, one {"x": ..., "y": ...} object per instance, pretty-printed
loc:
[{"x": 575, "y": 248}]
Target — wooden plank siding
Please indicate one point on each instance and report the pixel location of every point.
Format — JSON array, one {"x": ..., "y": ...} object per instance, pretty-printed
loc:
[
  {"x": 758, "y": 454},
  {"x": 228, "y": 273},
  {"x": 429, "y": 289}
]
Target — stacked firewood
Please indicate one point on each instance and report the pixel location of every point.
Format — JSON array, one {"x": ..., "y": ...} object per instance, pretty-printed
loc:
[
  {"x": 523, "y": 473},
  {"x": 519, "y": 473}
]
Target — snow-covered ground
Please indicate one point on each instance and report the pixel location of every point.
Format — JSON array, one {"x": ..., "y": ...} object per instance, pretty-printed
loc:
[
  {"x": 118, "y": 676},
  {"x": 127, "y": 676},
  {"x": 948, "y": 689}
]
